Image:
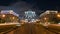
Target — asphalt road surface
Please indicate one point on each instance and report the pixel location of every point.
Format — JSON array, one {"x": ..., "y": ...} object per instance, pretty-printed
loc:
[{"x": 30, "y": 28}]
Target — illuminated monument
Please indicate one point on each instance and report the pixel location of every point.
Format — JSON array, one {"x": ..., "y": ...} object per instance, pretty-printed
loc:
[{"x": 30, "y": 15}]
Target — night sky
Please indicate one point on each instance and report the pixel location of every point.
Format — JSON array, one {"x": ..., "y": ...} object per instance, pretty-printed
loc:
[
  {"x": 38, "y": 4},
  {"x": 41, "y": 4}
]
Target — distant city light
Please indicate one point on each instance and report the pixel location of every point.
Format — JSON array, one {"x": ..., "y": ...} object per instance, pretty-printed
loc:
[
  {"x": 33, "y": 20},
  {"x": 26, "y": 20}
]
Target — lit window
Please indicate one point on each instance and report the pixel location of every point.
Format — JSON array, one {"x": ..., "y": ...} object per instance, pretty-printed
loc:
[
  {"x": 13, "y": 17},
  {"x": 45, "y": 18}
]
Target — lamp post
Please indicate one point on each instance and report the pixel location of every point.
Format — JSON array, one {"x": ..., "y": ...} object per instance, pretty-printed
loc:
[{"x": 58, "y": 15}]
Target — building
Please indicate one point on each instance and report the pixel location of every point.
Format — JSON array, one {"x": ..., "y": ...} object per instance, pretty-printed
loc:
[
  {"x": 49, "y": 12},
  {"x": 8, "y": 16},
  {"x": 48, "y": 16}
]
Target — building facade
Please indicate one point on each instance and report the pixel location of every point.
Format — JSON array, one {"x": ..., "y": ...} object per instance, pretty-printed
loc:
[{"x": 48, "y": 16}]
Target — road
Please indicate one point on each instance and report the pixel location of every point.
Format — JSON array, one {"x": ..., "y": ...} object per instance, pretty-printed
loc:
[
  {"x": 7, "y": 27},
  {"x": 30, "y": 28}
]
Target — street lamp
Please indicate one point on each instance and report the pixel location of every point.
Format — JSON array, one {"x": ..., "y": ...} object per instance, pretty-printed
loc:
[
  {"x": 58, "y": 15},
  {"x": 3, "y": 15}
]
